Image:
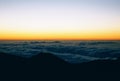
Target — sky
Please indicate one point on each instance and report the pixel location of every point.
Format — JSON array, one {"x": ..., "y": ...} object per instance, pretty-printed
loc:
[{"x": 60, "y": 19}]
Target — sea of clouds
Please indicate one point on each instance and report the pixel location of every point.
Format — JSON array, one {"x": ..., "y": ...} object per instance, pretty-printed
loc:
[{"x": 71, "y": 51}]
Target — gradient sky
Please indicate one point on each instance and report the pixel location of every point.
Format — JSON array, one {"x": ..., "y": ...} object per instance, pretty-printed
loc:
[{"x": 60, "y": 19}]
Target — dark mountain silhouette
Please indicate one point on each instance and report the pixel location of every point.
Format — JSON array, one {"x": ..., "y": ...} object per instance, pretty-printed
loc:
[{"x": 48, "y": 67}]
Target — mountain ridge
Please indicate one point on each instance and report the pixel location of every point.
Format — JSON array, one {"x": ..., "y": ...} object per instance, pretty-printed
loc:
[{"x": 48, "y": 67}]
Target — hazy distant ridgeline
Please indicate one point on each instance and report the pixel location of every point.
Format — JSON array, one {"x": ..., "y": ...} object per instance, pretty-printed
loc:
[{"x": 71, "y": 51}]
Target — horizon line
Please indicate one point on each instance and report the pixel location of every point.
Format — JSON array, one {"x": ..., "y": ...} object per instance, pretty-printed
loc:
[{"x": 59, "y": 39}]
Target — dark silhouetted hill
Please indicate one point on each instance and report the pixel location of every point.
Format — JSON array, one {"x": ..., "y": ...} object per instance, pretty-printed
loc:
[{"x": 48, "y": 67}]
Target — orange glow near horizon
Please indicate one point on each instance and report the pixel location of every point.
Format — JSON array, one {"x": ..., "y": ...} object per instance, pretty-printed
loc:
[
  {"x": 59, "y": 36},
  {"x": 59, "y": 20}
]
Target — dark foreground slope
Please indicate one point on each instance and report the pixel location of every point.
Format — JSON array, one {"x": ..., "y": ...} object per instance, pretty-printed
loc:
[{"x": 48, "y": 67}]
